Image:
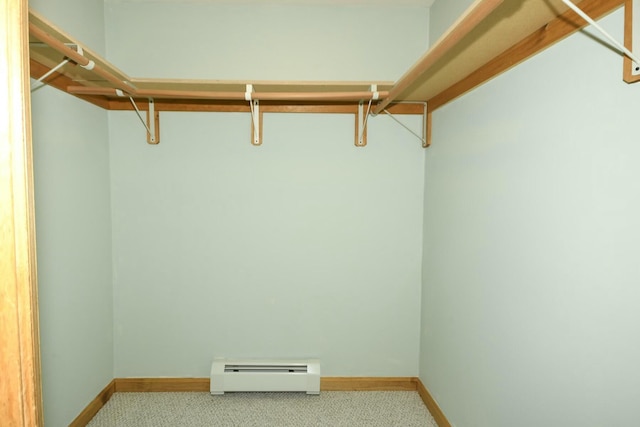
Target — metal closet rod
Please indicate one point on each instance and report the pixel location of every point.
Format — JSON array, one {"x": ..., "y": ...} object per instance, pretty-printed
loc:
[
  {"x": 230, "y": 96},
  {"x": 131, "y": 90}
]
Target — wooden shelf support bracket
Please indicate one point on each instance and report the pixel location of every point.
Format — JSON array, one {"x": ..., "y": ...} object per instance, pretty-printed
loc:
[
  {"x": 153, "y": 124},
  {"x": 631, "y": 69},
  {"x": 361, "y": 123}
]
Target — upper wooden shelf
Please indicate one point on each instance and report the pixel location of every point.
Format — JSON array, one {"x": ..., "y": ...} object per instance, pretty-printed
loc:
[
  {"x": 508, "y": 23},
  {"x": 49, "y": 46},
  {"x": 490, "y": 37}
]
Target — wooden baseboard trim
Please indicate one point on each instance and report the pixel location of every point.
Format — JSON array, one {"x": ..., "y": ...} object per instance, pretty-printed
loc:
[
  {"x": 326, "y": 384},
  {"x": 367, "y": 384},
  {"x": 432, "y": 405},
  {"x": 96, "y": 404},
  {"x": 161, "y": 384}
]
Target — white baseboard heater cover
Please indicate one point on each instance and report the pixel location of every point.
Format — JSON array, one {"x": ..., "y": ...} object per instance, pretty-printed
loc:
[{"x": 228, "y": 375}]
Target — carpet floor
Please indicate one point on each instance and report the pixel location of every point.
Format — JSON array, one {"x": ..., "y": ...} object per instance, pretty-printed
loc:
[{"x": 330, "y": 408}]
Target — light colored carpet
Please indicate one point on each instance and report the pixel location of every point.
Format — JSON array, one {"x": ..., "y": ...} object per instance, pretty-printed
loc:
[{"x": 330, "y": 408}]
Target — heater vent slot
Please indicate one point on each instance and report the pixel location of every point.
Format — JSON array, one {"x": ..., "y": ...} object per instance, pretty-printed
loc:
[
  {"x": 266, "y": 368},
  {"x": 230, "y": 375}
]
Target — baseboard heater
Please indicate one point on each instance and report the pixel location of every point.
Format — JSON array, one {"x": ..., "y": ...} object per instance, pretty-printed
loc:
[{"x": 233, "y": 375}]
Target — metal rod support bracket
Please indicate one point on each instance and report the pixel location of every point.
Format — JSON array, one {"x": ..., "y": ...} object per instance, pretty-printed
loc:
[
  {"x": 612, "y": 40},
  {"x": 423, "y": 138}
]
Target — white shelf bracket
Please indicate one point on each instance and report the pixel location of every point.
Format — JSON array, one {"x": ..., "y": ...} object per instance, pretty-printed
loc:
[
  {"x": 151, "y": 134},
  {"x": 362, "y": 118},
  {"x": 48, "y": 73},
  {"x": 60, "y": 65},
  {"x": 620, "y": 46},
  {"x": 254, "y": 104},
  {"x": 423, "y": 138}
]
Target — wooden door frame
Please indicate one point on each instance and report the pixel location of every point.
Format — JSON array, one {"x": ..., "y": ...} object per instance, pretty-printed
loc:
[{"x": 20, "y": 384}]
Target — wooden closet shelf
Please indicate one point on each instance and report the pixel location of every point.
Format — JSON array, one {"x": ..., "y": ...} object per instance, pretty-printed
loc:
[{"x": 489, "y": 38}]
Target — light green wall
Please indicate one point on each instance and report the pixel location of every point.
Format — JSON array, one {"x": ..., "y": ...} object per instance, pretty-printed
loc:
[
  {"x": 531, "y": 245},
  {"x": 305, "y": 246},
  {"x": 73, "y": 231},
  {"x": 283, "y": 40},
  {"x": 530, "y": 231}
]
